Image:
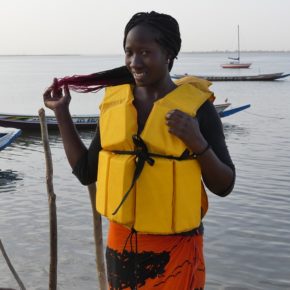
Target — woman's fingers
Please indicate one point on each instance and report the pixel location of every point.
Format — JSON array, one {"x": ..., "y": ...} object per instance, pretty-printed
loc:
[
  {"x": 57, "y": 91},
  {"x": 66, "y": 91},
  {"x": 47, "y": 93},
  {"x": 53, "y": 92},
  {"x": 178, "y": 120},
  {"x": 54, "y": 97},
  {"x": 186, "y": 128},
  {"x": 181, "y": 124},
  {"x": 174, "y": 114},
  {"x": 54, "y": 88}
]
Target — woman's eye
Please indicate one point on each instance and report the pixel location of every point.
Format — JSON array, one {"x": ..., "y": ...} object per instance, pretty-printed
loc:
[
  {"x": 128, "y": 53},
  {"x": 144, "y": 52}
]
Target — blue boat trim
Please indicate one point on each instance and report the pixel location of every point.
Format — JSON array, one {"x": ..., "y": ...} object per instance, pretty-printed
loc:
[
  {"x": 229, "y": 112},
  {"x": 14, "y": 136}
]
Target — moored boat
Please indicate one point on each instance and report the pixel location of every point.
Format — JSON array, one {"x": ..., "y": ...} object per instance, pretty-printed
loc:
[
  {"x": 32, "y": 121},
  {"x": 236, "y": 63},
  {"x": 7, "y": 136},
  {"x": 257, "y": 77},
  {"x": 84, "y": 122},
  {"x": 221, "y": 107}
]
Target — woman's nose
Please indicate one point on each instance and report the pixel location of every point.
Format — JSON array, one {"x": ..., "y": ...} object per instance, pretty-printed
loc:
[{"x": 136, "y": 61}]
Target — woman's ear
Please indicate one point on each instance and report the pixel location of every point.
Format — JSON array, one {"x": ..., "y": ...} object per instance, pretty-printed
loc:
[{"x": 168, "y": 58}]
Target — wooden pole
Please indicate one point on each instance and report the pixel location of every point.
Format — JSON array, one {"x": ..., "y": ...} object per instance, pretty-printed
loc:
[
  {"x": 98, "y": 235},
  {"x": 21, "y": 285},
  {"x": 51, "y": 202}
]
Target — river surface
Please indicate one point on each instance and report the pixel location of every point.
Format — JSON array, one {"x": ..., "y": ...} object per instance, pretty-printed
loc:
[{"x": 247, "y": 234}]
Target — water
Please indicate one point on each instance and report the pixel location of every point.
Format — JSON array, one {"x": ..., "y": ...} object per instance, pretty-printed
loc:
[{"x": 247, "y": 234}]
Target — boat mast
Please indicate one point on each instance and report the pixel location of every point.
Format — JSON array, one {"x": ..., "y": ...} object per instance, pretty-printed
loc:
[{"x": 238, "y": 43}]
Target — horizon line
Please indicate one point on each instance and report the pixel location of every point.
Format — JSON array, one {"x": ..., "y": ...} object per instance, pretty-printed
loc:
[{"x": 115, "y": 54}]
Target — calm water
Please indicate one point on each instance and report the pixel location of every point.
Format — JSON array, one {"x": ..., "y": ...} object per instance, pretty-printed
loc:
[{"x": 247, "y": 234}]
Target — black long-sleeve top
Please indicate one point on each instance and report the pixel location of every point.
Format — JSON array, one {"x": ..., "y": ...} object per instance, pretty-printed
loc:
[{"x": 210, "y": 127}]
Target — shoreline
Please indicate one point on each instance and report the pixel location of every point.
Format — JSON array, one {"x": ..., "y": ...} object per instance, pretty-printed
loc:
[{"x": 118, "y": 54}]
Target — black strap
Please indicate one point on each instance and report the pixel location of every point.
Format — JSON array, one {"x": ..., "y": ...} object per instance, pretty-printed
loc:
[{"x": 142, "y": 156}]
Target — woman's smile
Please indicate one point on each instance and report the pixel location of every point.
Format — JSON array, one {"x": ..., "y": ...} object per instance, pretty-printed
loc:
[{"x": 139, "y": 76}]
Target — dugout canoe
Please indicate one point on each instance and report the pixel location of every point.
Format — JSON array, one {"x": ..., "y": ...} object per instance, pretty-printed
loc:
[
  {"x": 257, "y": 77},
  {"x": 31, "y": 122},
  {"x": 83, "y": 122}
]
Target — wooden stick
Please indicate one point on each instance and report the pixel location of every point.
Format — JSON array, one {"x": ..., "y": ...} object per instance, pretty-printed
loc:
[
  {"x": 21, "y": 285},
  {"x": 51, "y": 202},
  {"x": 98, "y": 235}
]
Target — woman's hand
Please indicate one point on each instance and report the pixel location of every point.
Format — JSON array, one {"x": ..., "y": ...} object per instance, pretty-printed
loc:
[
  {"x": 54, "y": 98},
  {"x": 217, "y": 176},
  {"x": 58, "y": 100},
  {"x": 186, "y": 128}
]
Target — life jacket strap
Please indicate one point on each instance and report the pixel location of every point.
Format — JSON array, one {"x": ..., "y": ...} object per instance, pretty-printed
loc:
[{"x": 142, "y": 156}]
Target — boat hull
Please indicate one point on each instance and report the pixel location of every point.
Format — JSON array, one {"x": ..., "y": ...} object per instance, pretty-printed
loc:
[
  {"x": 82, "y": 122},
  {"x": 221, "y": 107},
  {"x": 236, "y": 65},
  {"x": 31, "y": 122},
  {"x": 259, "y": 77}
]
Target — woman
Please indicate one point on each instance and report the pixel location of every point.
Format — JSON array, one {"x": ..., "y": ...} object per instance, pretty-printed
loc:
[{"x": 156, "y": 145}]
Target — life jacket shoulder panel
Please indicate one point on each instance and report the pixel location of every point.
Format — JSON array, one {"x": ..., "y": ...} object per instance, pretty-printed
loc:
[
  {"x": 186, "y": 98},
  {"x": 118, "y": 118}
]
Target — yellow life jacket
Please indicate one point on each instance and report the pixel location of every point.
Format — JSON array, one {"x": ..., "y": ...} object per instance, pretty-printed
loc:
[{"x": 168, "y": 195}]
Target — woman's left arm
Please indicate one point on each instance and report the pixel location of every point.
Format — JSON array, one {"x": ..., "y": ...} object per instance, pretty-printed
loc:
[{"x": 203, "y": 135}]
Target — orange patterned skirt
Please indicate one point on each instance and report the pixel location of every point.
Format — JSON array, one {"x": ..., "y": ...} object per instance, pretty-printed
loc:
[{"x": 143, "y": 261}]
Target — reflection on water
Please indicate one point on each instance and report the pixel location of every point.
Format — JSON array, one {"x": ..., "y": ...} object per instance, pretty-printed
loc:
[
  {"x": 8, "y": 178},
  {"x": 232, "y": 129},
  {"x": 32, "y": 139}
]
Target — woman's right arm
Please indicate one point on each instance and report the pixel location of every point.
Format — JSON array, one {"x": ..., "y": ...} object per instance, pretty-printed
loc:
[
  {"x": 58, "y": 102},
  {"x": 86, "y": 169}
]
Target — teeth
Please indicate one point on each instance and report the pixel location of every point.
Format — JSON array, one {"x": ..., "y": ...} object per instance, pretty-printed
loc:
[{"x": 138, "y": 75}]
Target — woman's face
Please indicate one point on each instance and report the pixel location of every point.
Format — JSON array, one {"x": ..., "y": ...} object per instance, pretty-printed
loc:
[{"x": 145, "y": 58}]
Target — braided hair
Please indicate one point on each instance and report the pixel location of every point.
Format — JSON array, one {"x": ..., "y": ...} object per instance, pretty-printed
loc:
[{"x": 167, "y": 29}]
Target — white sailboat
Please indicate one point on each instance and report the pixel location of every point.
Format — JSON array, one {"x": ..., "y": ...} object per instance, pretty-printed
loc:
[{"x": 235, "y": 63}]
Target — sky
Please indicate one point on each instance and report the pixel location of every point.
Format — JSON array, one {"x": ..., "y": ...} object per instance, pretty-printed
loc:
[{"x": 96, "y": 27}]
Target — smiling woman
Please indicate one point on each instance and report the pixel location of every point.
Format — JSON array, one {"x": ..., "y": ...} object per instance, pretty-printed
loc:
[
  {"x": 143, "y": 56},
  {"x": 157, "y": 144}
]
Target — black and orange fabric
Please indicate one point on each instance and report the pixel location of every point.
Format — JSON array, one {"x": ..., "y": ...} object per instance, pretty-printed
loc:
[{"x": 161, "y": 262}]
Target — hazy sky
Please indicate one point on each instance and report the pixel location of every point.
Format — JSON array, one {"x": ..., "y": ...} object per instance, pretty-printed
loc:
[{"x": 96, "y": 27}]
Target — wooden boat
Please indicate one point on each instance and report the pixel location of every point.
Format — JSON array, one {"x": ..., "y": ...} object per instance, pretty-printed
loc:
[
  {"x": 235, "y": 63},
  {"x": 7, "y": 136},
  {"x": 31, "y": 122},
  {"x": 258, "y": 77}
]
